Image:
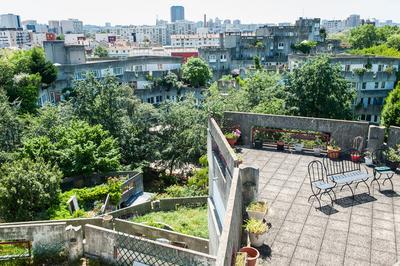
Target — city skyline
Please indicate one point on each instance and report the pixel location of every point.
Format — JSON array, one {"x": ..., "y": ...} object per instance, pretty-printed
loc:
[{"x": 126, "y": 13}]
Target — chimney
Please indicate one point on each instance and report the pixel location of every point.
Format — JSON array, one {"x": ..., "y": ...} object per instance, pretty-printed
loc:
[{"x": 205, "y": 21}]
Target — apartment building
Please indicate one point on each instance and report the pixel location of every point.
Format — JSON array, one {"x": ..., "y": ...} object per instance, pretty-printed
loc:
[
  {"x": 372, "y": 77},
  {"x": 73, "y": 66},
  {"x": 195, "y": 40},
  {"x": 71, "y": 26},
  {"x": 14, "y": 38}
]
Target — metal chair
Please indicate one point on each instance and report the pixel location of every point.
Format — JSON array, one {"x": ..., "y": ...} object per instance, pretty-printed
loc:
[
  {"x": 380, "y": 168},
  {"x": 319, "y": 182},
  {"x": 358, "y": 144}
]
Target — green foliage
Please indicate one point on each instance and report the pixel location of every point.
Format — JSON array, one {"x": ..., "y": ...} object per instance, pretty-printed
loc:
[
  {"x": 182, "y": 134},
  {"x": 86, "y": 199},
  {"x": 168, "y": 82},
  {"x": 391, "y": 109},
  {"x": 364, "y": 36},
  {"x": 257, "y": 63},
  {"x": 317, "y": 89},
  {"x": 256, "y": 226},
  {"x": 100, "y": 51},
  {"x": 394, "y": 42},
  {"x": 393, "y": 154},
  {"x": 305, "y": 46},
  {"x": 77, "y": 148},
  {"x": 22, "y": 73},
  {"x": 184, "y": 220},
  {"x": 380, "y": 50},
  {"x": 10, "y": 125},
  {"x": 196, "y": 72},
  {"x": 27, "y": 189}
]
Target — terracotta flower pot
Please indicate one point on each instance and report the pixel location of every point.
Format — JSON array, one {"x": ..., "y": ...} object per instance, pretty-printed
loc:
[
  {"x": 355, "y": 157},
  {"x": 280, "y": 145},
  {"x": 231, "y": 142},
  {"x": 252, "y": 255},
  {"x": 333, "y": 153}
]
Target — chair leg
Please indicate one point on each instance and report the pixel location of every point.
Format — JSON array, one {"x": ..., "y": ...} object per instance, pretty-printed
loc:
[
  {"x": 377, "y": 181},
  {"x": 364, "y": 181},
  {"x": 349, "y": 185},
  {"x": 389, "y": 177}
]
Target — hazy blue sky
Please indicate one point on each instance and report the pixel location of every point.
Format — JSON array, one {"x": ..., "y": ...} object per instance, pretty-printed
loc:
[{"x": 146, "y": 11}]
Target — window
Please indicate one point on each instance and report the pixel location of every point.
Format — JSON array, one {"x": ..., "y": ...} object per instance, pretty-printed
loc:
[
  {"x": 212, "y": 59},
  {"x": 380, "y": 68},
  {"x": 347, "y": 68},
  {"x": 375, "y": 118},
  {"x": 281, "y": 46},
  {"x": 150, "y": 100},
  {"x": 362, "y": 117},
  {"x": 159, "y": 66},
  {"x": 364, "y": 85},
  {"x": 138, "y": 68},
  {"x": 376, "y": 85},
  {"x": 369, "y": 101},
  {"x": 383, "y": 85},
  {"x": 118, "y": 71},
  {"x": 223, "y": 58},
  {"x": 368, "y": 118}
]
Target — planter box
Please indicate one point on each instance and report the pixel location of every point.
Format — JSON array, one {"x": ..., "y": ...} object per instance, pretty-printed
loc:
[
  {"x": 393, "y": 165},
  {"x": 232, "y": 142},
  {"x": 280, "y": 146},
  {"x": 258, "y": 144},
  {"x": 298, "y": 147},
  {"x": 257, "y": 240},
  {"x": 257, "y": 214}
]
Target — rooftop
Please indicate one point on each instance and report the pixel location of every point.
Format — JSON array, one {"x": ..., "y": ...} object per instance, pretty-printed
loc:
[{"x": 365, "y": 231}]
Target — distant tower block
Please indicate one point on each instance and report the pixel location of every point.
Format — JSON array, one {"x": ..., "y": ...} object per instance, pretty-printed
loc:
[
  {"x": 205, "y": 21},
  {"x": 177, "y": 13}
]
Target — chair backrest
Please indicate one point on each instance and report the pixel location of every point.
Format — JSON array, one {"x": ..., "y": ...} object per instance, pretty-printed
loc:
[
  {"x": 349, "y": 165},
  {"x": 316, "y": 171},
  {"x": 379, "y": 157},
  {"x": 358, "y": 143},
  {"x": 333, "y": 167}
]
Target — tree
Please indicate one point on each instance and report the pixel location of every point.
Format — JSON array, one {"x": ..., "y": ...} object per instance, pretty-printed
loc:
[
  {"x": 196, "y": 72},
  {"x": 182, "y": 132},
  {"x": 39, "y": 65},
  {"x": 100, "y": 51},
  {"x": 317, "y": 89},
  {"x": 27, "y": 189},
  {"x": 394, "y": 42},
  {"x": 25, "y": 90},
  {"x": 391, "y": 109},
  {"x": 364, "y": 36},
  {"x": 10, "y": 125},
  {"x": 77, "y": 148},
  {"x": 257, "y": 63},
  {"x": 305, "y": 46}
]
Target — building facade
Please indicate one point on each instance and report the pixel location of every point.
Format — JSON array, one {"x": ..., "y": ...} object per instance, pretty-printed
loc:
[
  {"x": 138, "y": 72},
  {"x": 372, "y": 77},
  {"x": 14, "y": 38},
  {"x": 71, "y": 26},
  {"x": 195, "y": 40}
]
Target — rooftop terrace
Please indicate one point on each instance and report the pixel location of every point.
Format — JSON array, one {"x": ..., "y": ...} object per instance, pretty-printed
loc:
[{"x": 364, "y": 231}]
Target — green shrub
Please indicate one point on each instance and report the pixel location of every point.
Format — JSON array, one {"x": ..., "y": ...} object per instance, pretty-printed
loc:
[
  {"x": 27, "y": 189},
  {"x": 86, "y": 199}
]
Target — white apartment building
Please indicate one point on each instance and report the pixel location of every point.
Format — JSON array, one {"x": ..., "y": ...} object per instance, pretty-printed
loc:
[
  {"x": 78, "y": 38},
  {"x": 14, "y": 38},
  {"x": 71, "y": 26},
  {"x": 152, "y": 34},
  {"x": 195, "y": 40},
  {"x": 334, "y": 26}
]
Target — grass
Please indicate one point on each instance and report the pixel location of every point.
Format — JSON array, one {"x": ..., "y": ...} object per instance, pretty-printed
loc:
[
  {"x": 13, "y": 249},
  {"x": 187, "y": 221}
]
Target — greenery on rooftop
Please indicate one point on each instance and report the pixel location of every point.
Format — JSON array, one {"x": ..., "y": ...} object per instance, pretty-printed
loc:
[{"x": 189, "y": 221}]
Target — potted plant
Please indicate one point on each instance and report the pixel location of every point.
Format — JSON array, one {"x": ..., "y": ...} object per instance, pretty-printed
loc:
[
  {"x": 280, "y": 145},
  {"x": 252, "y": 255},
  {"x": 241, "y": 259},
  {"x": 355, "y": 156},
  {"x": 257, "y": 210},
  {"x": 393, "y": 158},
  {"x": 258, "y": 143},
  {"x": 257, "y": 231},
  {"x": 298, "y": 146},
  {"x": 368, "y": 158},
  {"x": 232, "y": 137},
  {"x": 317, "y": 146},
  {"x": 333, "y": 150}
]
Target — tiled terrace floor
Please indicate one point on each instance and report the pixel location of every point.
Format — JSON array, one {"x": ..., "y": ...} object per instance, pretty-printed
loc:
[{"x": 361, "y": 232}]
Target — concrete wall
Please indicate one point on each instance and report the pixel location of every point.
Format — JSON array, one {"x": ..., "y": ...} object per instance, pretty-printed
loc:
[
  {"x": 394, "y": 136},
  {"x": 159, "y": 205},
  {"x": 193, "y": 243},
  {"x": 343, "y": 132}
]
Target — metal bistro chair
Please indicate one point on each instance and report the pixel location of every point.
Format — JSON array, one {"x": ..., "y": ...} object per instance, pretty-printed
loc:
[
  {"x": 380, "y": 168},
  {"x": 319, "y": 182}
]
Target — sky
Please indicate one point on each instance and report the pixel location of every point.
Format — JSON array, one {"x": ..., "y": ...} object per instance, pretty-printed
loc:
[{"x": 138, "y": 12}]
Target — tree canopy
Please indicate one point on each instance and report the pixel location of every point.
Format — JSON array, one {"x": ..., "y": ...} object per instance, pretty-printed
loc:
[
  {"x": 100, "y": 51},
  {"x": 196, "y": 72},
  {"x": 317, "y": 89},
  {"x": 391, "y": 109},
  {"x": 27, "y": 189}
]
